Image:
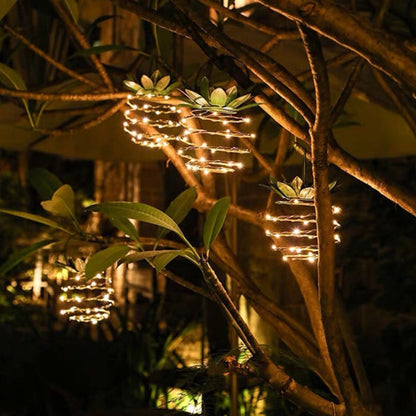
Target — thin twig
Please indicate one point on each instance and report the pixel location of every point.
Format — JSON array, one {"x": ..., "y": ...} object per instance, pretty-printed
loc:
[
  {"x": 397, "y": 99},
  {"x": 281, "y": 34},
  {"x": 346, "y": 91},
  {"x": 76, "y": 33},
  {"x": 86, "y": 125},
  {"x": 49, "y": 59}
]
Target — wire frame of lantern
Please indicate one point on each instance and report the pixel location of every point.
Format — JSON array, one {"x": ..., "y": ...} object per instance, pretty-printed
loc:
[
  {"x": 218, "y": 133},
  {"x": 86, "y": 301},
  {"x": 297, "y": 232},
  {"x": 162, "y": 117},
  {"x": 147, "y": 108}
]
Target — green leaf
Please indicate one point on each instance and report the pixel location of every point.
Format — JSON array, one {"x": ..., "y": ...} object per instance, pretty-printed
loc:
[
  {"x": 197, "y": 98},
  {"x": 332, "y": 185},
  {"x": 62, "y": 203},
  {"x": 172, "y": 87},
  {"x": 163, "y": 83},
  {"x": 36, "y": 218},
  {"x": 145, "y": 255},
  {"x": 11, "y": 79},
  {"x": 146, "y": 82},
  {"x": 246, "y": 107},
  {"x": 16, "y": 258},
  {"x": 297, "y": 184},
  {"x": 179, "y": 208},
  {"x": 239, "y": 101},
  {"x": 99, "y": 261},
  {"x": 162, "y": 260},
  {"x": 155, "y": 76},
  {"x": 286, "y": 190},
  {"x": 231, "y": 94},
  {"x": 141, "y": 212},
  {"x": 205, "y": 88},
  {"x": 96, "y": 50},
  {"x": 128, "y": 228},
  {"x": 132, "y": 85},
  {"x": 307, "y": 193},
  {"x": 215, "y": 220},
  {"x": 5, "y": 6},
  {"x": 218, "y": 97},
  {"x": 44, "y": 182},
  {"x": 72, "y": 7}
]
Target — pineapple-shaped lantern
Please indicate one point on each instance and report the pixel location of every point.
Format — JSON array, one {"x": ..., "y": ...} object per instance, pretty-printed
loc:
[
  {"x": 215, "y": 119},
  {"x": 84, "y": 300},
  {"x": 148, "y": 107},
  {"x": 295, "y": 235}
]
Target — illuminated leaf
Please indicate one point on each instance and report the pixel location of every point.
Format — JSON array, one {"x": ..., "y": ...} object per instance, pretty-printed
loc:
[
  {"x": 215, "y": 220},
  {"x": 218, "y": 97},
  {"x": 146, "y": 82},
  {"x": 99, "y": 261},
  {"x": 62, "y": 203},
  {"x": 163, "y": 83},
  {"x": 286, "y": 190}
]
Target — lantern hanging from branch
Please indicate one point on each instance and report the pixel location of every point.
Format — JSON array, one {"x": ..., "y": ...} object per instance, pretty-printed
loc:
[
  {"x": 148, "y": 107},
  {"x": 295, "y": 235},
  {"x": 212, "y": 133},
  {"x": 86, "y": 301}
]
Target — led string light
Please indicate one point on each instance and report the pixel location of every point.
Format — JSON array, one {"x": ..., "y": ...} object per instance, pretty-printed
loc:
[
  {"x": 300, "y": 250},
  {"x": 87, "y": 301},
  {"x": 205, "y": 164},
  {"x": 161, "y": 116}
]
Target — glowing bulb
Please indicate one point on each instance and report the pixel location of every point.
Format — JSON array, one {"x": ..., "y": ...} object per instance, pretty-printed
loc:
[
  {"x": 145, "y": 120},
  {"x": 284, "y": 258},
  {"x": 274, "y": 247},
  {"x": 296, "y": 231}
]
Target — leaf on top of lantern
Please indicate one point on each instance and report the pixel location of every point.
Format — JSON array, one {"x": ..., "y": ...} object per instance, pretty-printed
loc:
[
  {"x": 155, "y": 85},
  {"x": 294, "y": 189},
  {"x": 216, "y": 99}
]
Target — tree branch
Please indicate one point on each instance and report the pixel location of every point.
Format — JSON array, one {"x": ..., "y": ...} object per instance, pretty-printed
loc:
[{"x": 381, "y": 50}]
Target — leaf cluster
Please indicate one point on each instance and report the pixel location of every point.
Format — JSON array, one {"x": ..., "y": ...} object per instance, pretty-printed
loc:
[
  {"x": 216, "y": 99},
  {"x": 155, "y": 84},
  {"x": 294, "y": 189}
]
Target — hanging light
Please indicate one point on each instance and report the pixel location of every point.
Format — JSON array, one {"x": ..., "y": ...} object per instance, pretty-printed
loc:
[
  {"x": 297, "y": 233},
  {"x": 214, "y": 117},
  {"x": 86, "y": 301},
  {"x": 148, "y": 107}
]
